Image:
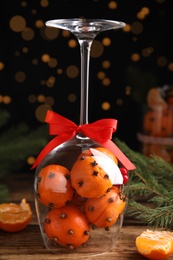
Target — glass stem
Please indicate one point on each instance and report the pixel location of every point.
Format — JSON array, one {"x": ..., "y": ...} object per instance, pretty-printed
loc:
[{"x": 85, "y": 47}]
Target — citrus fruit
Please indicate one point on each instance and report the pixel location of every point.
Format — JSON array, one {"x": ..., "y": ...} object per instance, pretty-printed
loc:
[
  {"x": 103, "y": 212},
  {"x": 53, "y": 186},
  {"x": 156, "y": 245},
  {"x": 67, "y": 226},
  {"x": 15, "y": 217},
  {"x": 88, "y": 178}
]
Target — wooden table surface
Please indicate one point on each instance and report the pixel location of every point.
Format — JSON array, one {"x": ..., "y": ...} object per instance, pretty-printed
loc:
[{"x": 28, "y": 244}]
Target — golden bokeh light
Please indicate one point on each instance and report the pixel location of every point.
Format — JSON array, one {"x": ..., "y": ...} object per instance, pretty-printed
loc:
[
  {"x": 72, "y": 43},
  {"x": 112, "y": 5},
  {"x": 2, "y": 65},
  {"x": 72, "y": 97},
  {"x": 135, "y": 57},
  {"x": 17, "y": 23},
  {"x": 119, "y": 101},
  {"x": 106, "y": 41},
  {"x": 45, "y": 58},
  {"x": 162, "y": 61},
  {"x": 40, "y": 112},
  {"x": 20, "y": 76},
  {"x": 50, "y": 33},
  {"x": 170, "y": 66},
  {"x": 27, "y": 34},
  {"x": 97, "y": 49},
  {"x": 72, "y": 71},
  {"x": 101, "y": 75},
  {"x": 6, "y": 100},
  {"x": 41, "y": 98},
  {"x": 137, "y": 28},
  {"x": 106, "y": 82},
  {"x": 105, "y": 105},
  {"x": 52, "y": 62},
  {"x": 106, "y": 64}
]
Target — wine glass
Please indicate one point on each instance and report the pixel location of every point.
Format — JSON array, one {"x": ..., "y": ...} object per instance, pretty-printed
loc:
[{"x": 49, "y": 178}]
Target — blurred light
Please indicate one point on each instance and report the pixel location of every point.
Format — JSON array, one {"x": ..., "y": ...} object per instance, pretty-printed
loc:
[
  {"x": 106, "y": 42},
  {"x": 72, "y": 97},
  {"x": 162, "y": 61},
  {"x": 72, "y": 71},
  {"x": 6, "y": 100},
  {"x": 105, "y": 105},
  {"x": 30, "y": 160},
  {"x": 2, "y": 65},
  {"x": 44, "y": 3},
  {"x": 112, "y": 5},
  {"x": 52, "y": 63},
  {"x": 106, "y": 64},
  {"x": 119, "y": 101},
  {"x": 96, "y": 49},
  {"x": 170, "y": 66},
  {"x": 45, "y": 58},
  {"x": 27, "y": 34},
  {"x": 101, "y": 75},
  {"x": 127, "y": 28},
  {"x": 135, "y": 57},
  {"x": 50, "y": 33},
  {"x": 128, "y": 90},
  {"x": 41, "y": 98},
  {"x": 106, "y": 82},
  {"x": 32, "y": 98},
  {"x": 20, "y": 76},
  {"x": 72, "y": 43},
  {"x": 40, "y": 112},
  {"x": 49, "y": 101},
  {"x": 136, "y": 28},
  {"x": 17, "y": 23},
  {"x": 39, "y": 24}
]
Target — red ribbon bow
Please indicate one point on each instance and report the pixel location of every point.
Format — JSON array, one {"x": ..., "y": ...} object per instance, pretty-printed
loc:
[{"x": 100, "y": 131}]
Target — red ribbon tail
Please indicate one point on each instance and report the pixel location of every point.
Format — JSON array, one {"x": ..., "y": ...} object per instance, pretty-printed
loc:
[{"x": 120, "y": 155}]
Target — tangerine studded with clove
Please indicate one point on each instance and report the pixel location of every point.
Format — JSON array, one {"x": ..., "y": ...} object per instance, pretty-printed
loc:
[
  {"x": 155, "y": 245},
  {"x": 67, "y": 226},
  {"x": 15, "y": 217},
  {"x": 54, "y": 188},
  {"x": 103, "y": 212},
  {"x": 88, "y": 178}
]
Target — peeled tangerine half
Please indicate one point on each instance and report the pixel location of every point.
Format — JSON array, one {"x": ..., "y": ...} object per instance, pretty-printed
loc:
[
  {"x": 15, "y": 217},
  {"x": 156, "y": 245}
]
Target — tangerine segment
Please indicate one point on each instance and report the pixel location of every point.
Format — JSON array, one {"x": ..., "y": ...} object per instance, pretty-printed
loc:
[
  {"x": 103, "y": 212},
  {"x": 156, "y": 245},
  {"x": 14, "y": 217},
  {"x": 67, "y": 226},
  {"x": 53, "y": 186},
  {"x": 88, "y": 178}
]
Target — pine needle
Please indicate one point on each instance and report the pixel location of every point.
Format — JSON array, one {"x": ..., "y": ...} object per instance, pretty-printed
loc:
[{"x": 152, "y": 182}]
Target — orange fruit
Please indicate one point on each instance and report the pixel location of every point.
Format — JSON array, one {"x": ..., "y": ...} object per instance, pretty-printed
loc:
[
  {"x": 88, "y": 178},
  {"x": 67, "y": 226},
  {"x": 156, "y": 245},
  {"x": 108, "y": 153},
  {"x": 103, "y": 212},
  {"x": 54, "y": 187},
  {"x": 15, "y": 217}
]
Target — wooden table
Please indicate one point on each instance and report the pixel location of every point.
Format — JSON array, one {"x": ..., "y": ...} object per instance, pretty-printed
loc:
[{"x": 28, "y": 244}]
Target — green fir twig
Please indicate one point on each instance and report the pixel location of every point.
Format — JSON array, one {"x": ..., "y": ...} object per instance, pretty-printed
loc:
[{"x": 152, "y": 182}]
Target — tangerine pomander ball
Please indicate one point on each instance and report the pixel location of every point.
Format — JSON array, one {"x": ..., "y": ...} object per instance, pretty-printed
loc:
[
  {"x": 54, "y": 188},
  {"x": 67, "y": 226}
]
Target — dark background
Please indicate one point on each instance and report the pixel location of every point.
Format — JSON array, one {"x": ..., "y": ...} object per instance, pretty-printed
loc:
[{"x": 129, "y": 79}]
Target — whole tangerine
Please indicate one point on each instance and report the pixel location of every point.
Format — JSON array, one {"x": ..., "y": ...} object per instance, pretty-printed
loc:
[
  {"x": 88, "y": 178},
  {"x": 67, "y": 226},
  {"x": 103, "y": 212},
  {"x": 53, "y": 187}
]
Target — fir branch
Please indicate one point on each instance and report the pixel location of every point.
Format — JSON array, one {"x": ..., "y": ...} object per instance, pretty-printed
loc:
[
  {"x": 152, "y": 180},
  {"x": 160, "y": 217}
]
